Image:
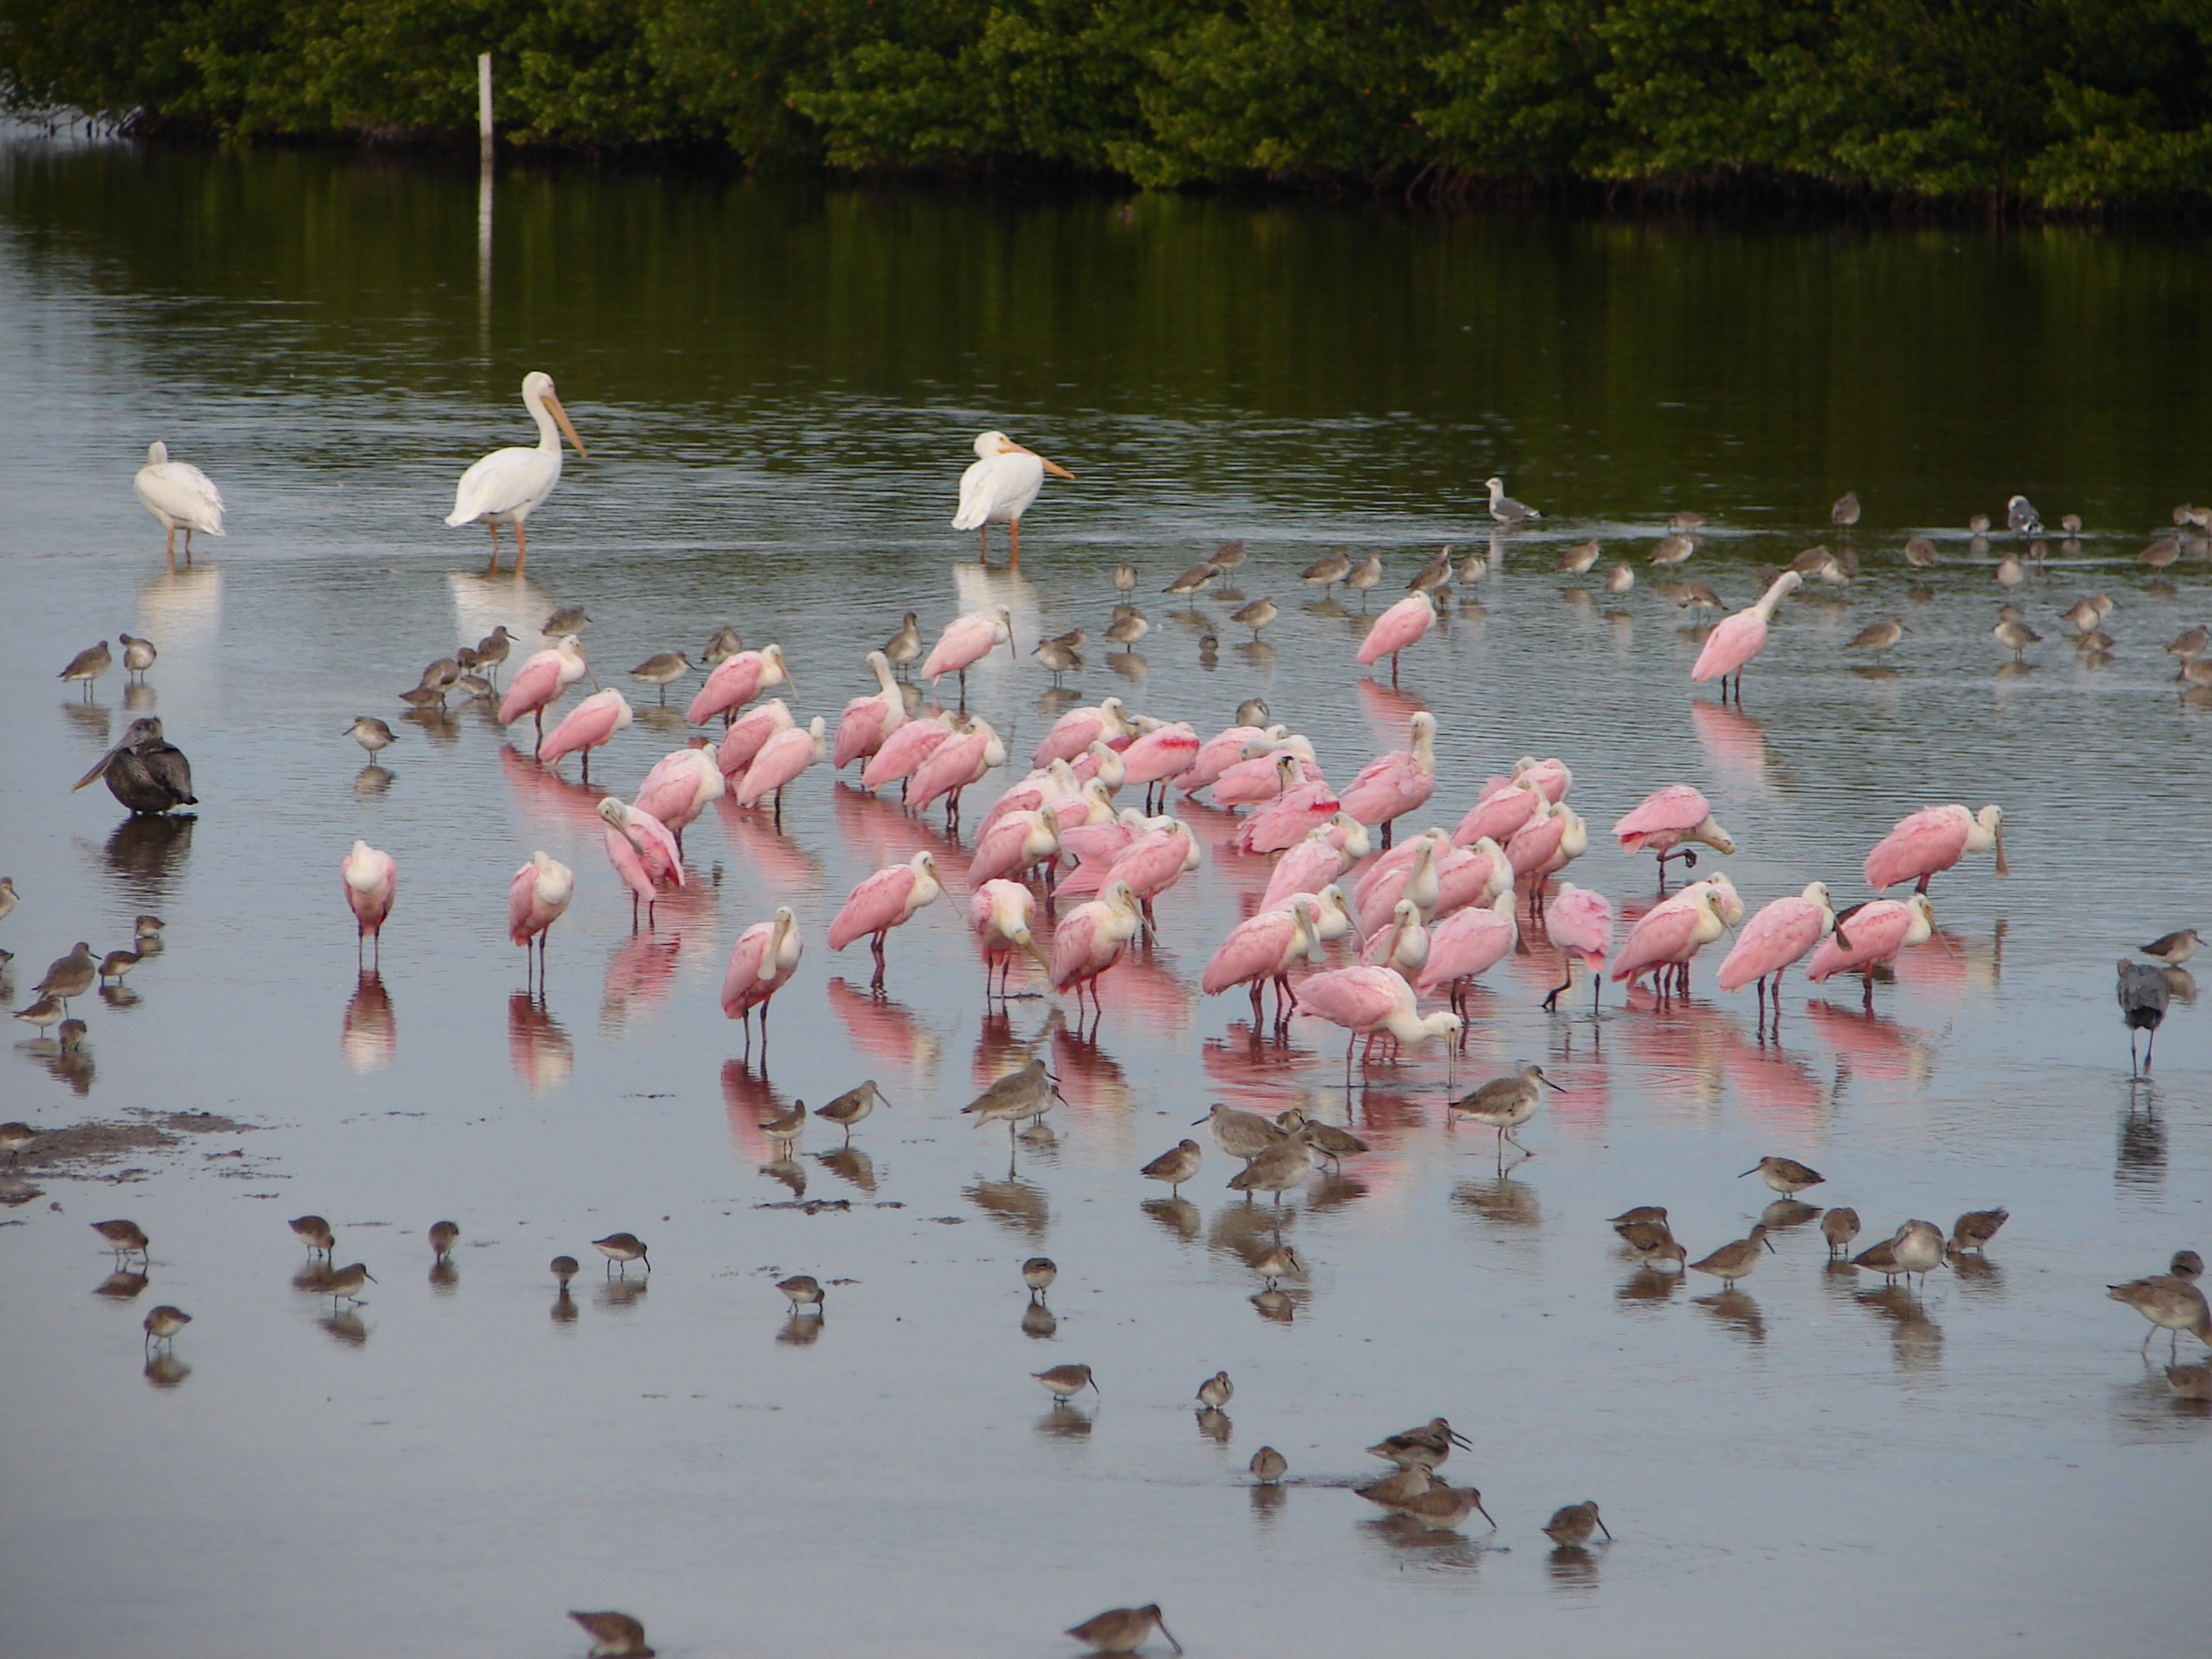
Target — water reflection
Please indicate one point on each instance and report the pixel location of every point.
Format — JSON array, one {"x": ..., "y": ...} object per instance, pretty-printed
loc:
[
  {"x": 1977, "y": 1276},
  {"x": 850, "y": 1163},
  {"x": 1572, "y": 1569},
  {"x": 91, "y": 720},
  {"x": 1278, "y": 1306},
  {"x": 1018, "y": 1205},
  {"x": 1177, "y": 1216},
  {"x": 1435, "y": 1546},
  {"x": 640, "y": 972},
  {"x": 121, "y": 1286},
  {"x": 371, "y": 781},
  {"x": 145, "y": 856},
  {"x": 346, "y": 1329},
  {"x": 789, "y": 1172},
  {"x": 619, "y": 1295},
  {"x": 1039, "y": 1321},
  {"x": 2140, "y": 1166},
  {"x": 801, "y": 1330},
  {"x": 1065, "y": 1422},
  {"x": 1735, "y": 1312},
  {"x": 368, "y": 1036},
  {"x": 1648, "y": 1285},
  {"x": 537, "y": 1047},
  {"x": 564, "y": 1307},
  {"x": 1918, "y": 1339},
  {"x": 1213, "y": 1424},
  {"x": 67, "y": 1065},
  {"x": 165, "y": 1371}
]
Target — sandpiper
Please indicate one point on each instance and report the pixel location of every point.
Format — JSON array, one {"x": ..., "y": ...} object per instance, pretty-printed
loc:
[
  {"x": 1027, "y": 1093},
  {"x": 1732, "y": 1261},
  {"x": 71, "y": 975},
  {"x": 1974, "y": 1230},
  {"x": 1063, "y": 1381},
  {"x": 1363, "y": 576},
  {"x": 1620, "y": 579},
  {"x": 1240, "y": 1134},
  {"x": 2173, "y": 949},
  {"x": 1124, "y": 630},
  {"x": 1255, "y": 615},
  {"x": 1785, "y": 1175},
  {"x": 315, "y": 1233},
  {"x": 1877, "y": 636},
  {"x": 787, "y": 1129},
  {"x": 662, "y": 669},
  {"x": 1125, "y": 578},
  {"x": 146, "y": 927},
  {"x": 41, "y": 1013},
  {"x": 1216, "y": 1391},
  {"x": 1331, "y": 1143},
  {"x": 1268, "y": 1465},
  {"x": 1326, "y": 571},
  {"x": 1443, "y": 1507},
  {"x": 1880, "y": 1259},
  {"x": 1570, "y": 1528},
  {"x": 1406, "y": 1480},
  {"x": 1839, "y": 1227},
  {"x": 2186, "y": 1264},
  {"x": 1505, "y": 1103},
  {"x": 1058, "y": 660},
  {"x": 903, "y": 647},
  {"x": 568, "y": 619},
  {"x": 69, "y": 1035},
  {"x": 804, "y": 1291},
  {"x": 138, "y": 654},
  {"x": 849, "y": 1107},
  {"x": 1038, "y": 1273},
  {"x": 615, "y": 1635},
  {"x": 1652, "y": 1242},
  {"x": 564, "y": 1268},
  {"x": 88, "y": 665},
  {"x": 371, "y": 733},
  {"x": 115, "y": 963},
  {"x": 344, "y": 1285},
  {"x": 1175, "y": 1165},
  {"x": 444, "y": 1235},
  {"x": 163, "y": 1323},
  {"x": 1427, "y": 1445},
  {"x": 2170, "y": 1302},
  {"x": 1276, "y": 1261},
  {"x": 1577, "y": 560},
  {"x": 624, "y": 1248},
  {"x": 1640, "y": 1212},
  {"x": 1918, "y": 1247},
  {"x": 1281, "y": 1167},
  {"x": 124, "y": 1238},
  {"x": 1191, "y": 581},
  {"x": 14, "y": 1137},
  {"x": 1122, "y": 1630}
]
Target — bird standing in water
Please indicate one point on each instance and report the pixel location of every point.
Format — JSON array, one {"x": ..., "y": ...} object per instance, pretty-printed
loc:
[{"x": 145, "y": 772}]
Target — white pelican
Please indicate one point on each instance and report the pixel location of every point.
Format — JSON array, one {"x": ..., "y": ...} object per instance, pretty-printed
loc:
[
  {"x": 1000, "y": 487},
  {"x": 507, "y": 484},
  {"x": 181, "y": 496}
]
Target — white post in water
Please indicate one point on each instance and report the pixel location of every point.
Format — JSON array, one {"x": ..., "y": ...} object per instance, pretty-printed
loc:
[{"x": 483, "y": 106}]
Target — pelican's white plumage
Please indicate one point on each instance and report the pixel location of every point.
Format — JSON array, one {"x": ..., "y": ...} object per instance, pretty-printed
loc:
[
  {"x": 506, "y": 485},
  {"x": 1000, "y": 487},
  {"x": 180, "y": 495}
]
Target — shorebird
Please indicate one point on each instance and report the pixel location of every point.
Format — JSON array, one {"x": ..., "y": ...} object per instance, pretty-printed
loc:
[
  {"x": 1175, "y": 1165},
  {"x": 1279, "y": 1168},
  {"x": 1331, "y": 1143},
  {"x": 1919, "y": 552},
  {"x": 905, "y": 646},
  {"x": 138, "y": 654},
  {"x": 1918, "y": 1248},
  {"x": 163, "y": 1323},
  {"x": 2171, "y": 949},
  {"x": 805, "y": 1291},
  {"x": 41, "y": 1013},
  {"x": 2186, "y": 1264},
  {"x": 564, "y": 1268},
  {"x": 1652, "y": 1242},
  {"x": 1503, "y": 509},
  {"x": 1363, "y": 577},
  {"x": 115, "y": 963},
  {"x": 787, "y": 1129},
  {"x": 371, "y": 733},
  {"x": 662, "y": 669},
  {"x": 71, "y": 975},
  {"x": 1268, "y": 1465},
  {"x": 1641, "y": 1213},
  {"x": 1577, "y": 560},
  {"x": 1125, "y": 578},
  {"x": 1732, "y": 1261},
  {"x": 1974, "y": 1230},
  {"x": 14, "y": 1137},
  {"x": 1505, "y": 1103},
  {"x": 444, "y": 1235},
  {"x": 1193, "y": 581},
  {"x": 1407, "y": 1480},
  {"x": 1122, "y": 1630},
  {"x": 1785, "y": 1175},
  {"x": 88, "y": 665},
  {"x": 624, "y": 1248},
  {"x": 1038, "y": 1272},
  {"x": 1240, "y": 1134},
  {"x": 344, "y": 1285},
  {"x": 124, "y": 1238},
  {"x": 2171, "y": 1303},
  {"x": 1570, "y": 1528},
  {"x": 1255, "y": 615},
  {"x": 1027, "y": 1093},
  {"x": 1442, "y": 1507},
  {"x": 315, "y": 1233},
  {"x": 849, "y": 1107},
  {"x": 1216, "y": 1391},
  {"x": 1839, "y": 1227},
  {"x": 615, "y": 1635},
  {"x": 1877, "y": 636},
  {"x": 1880, "y": 1259},
  {"x": 1063, "y": 1382},
  {"x": 1326, "y": 571},
  {"x": 2143, "y": 992},
  {"x": 1425, "y": 1447},
  {"x": 1844, "y": 514}
]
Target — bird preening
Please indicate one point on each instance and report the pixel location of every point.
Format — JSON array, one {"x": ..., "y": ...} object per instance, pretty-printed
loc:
[{"x": 145, "y": 772}]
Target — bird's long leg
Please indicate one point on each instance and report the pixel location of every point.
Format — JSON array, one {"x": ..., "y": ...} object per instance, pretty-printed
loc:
[
  {"x": 984, "y": 532},
  {"x": 2150, "y": 1048},
  {"x": 1561, "y": 989},
  {"x": 877, "y": 944},
  {"x": 1259, "y": 987},
  {"x": 1014, "y": 532},
  {"x": 1387, "y": 826},
  {"x": 521, "y": 547},
  {"x": 587, "y": 762}
]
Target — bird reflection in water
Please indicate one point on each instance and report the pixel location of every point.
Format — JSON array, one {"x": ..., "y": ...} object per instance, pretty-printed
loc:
[
  {"x": 1977, "y": 1275},
  {"x": 1267, "y": 1500},
  {"x": 850, "y": 1163},
  {"x": 564, "y": 1306},
  {"x": 618, "y": 1293},
  {"x": 121, "y": 1286},
  {"x": 883, "y": 1028},
  {"x": 1434, "y": 1547},
  {"x": 1018, "y": 1205},
  {"x": 1735, "y": 1310},
  {"x": 434, "y": 721},
  {"x": 1785, "y": 1212},
  {"x": 1039, "y": 1321},
  {"x": 1918, "y": 1340},
  {"x": 1507, "y": 1206},
  {"x": 147, "y": 853},
  {"x": 91, "y": 720},
  {"x": 2140, "y": 1161},
  {"x": 1214, "y": 1425},
  {"x": 371, "y": 781},
  {"x": 639, "y": 972},
  {"x": 1178, "y": 1216},
  {"x": 801, "y": 1330},
  {"x": 1065, "y": 1422},
  {"x": 1648, "y": 1285},
  {"x": 139, "y": 698},
  {"x": 789, "y": 1171},
  {"x": 1279, "y": 1307},
  {"x": 165, "y": 1370},
  {"x": 1249, "y": 1232},
  {"x": 345, "y": 1328},
  {"x": 1734, "y": 743},
  {"x": 540, "y": 1051},
  {"x": 445, "y": 1276},
  {"x": 66, "y": 1063},
  {"x": 369, "y": 1036},
  {"x": 1572, "y": 1569}
]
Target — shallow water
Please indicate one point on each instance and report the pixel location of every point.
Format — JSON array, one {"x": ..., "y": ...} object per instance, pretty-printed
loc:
[{"x": 777, "y": 390}]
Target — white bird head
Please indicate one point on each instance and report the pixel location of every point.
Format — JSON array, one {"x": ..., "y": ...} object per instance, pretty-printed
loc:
[
  {"x": 157, "y": 454},
  {"x": 537, "y": 394}
]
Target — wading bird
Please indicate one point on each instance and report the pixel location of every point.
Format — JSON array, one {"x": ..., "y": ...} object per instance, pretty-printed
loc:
[{"x": 507, "y": 485}]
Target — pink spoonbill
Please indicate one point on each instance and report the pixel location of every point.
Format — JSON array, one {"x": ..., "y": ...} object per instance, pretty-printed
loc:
[
  {"x": 779, "y": 763},
  {"x": 1108, "y": 721},
  {"x": 1327, "y": 851},
  {"x": 957, "y": 764},
  {"x": 544, "y": 676},
  {"x": 1397, "y": 627},
  {"x": 883, "y": 901},
  {"x": 1668, "y": 817},
  {"x": 1401, "y": 943},
  {"x": 1397, "y": 783},
  {"x": 966, "y": 642},
  {"x": 1466, "y": 944},
  {"x": 370, "y": 879},
  {"x": 1369, "y": 1002},
  {"x": 1868, "y": 935},
  {"x": 1091, "y": 939},
  {"x": 765, "y": 956},
  {"x": 1930, "y": 842},
  {"x": 744, "y": 738},
  {"x": 1782, "y": 931},
  {"x": 1163, "y": 753},
  {"x": 589, "y": 724},
  {"x": 1015, "y": 843},
  {"x": 643, "y": 853},
  {"x": 1669, "y": 935},
  {"x": 1262, "y": 949},
  {"x": 1001, "y": 913},
  {"x": 539, "y": 892},
  {"x": 867, "y": 721},
  {"x": 998, "y": 488},
  {"x": 682, "y": 785},
  {"x": 905, "y": 750},
  {"x": 1739, "y": 637},
  {"x": 736, "y": 681},
  {"x": 1579, "y": 923}
]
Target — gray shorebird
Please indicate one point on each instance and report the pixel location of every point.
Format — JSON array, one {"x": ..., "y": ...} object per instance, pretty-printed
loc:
[
  {"x": 371, "y": 733},
  {"x": 2171, "y": 1303},
  {"x": 1038, "y": 1272},
  {"x": 1026, "y": 1093},
  {"x": 88, "y": 665},
  {"x": 1880, "y": 1259},
  {"x": 1216, "y": 1391},
  {"x": 1839, "y": 1228},
  {"x": 1570, "y": 1528},
  {"x": 905, "y": 646},
  {"x": 125, "y": 1239},
  {"x": 14, "y": 1137},
  {"x": 1918, "y": 1247},
  {"x": 1122, "y": 1630},
  {"x": 1193, "y": 579},
  {"x": 1974, "y": 1230},
  {"x": 1732, "y": 1261},
  {"x": 163, "y": 1323},
  {"x": 1426, "y": 1445},
  {"x": 1845, "y": 513},
  {"x": 785, "y": 1130},
  {"x": 662, "y": 669},
  {"x": 1255, "y": 615},
  {"x": 1282, "y": 1166},
  {"x": 568, "y": 619},
  {"x": 1640, "y": 1213},
  {"x": 1175, "y": 1165},
  {"x": 622, "y": 1248},
  {"x": 492, "y": 650},
  {"x": 444, "y": 1235},
  {"x": 1331, "y": 1143},
  {"x": 1651, "y": 1241},
  {"x": 315, "y": 1233},
  {"x": 115, "y": 963},
  {"x": 344, "y": 1285},
  {"x": 1505, "y": 1103},
  {"x": 1268, "y": 1465},
  {"x": 138, "y": 654},
  {"x": 614, "y": 1635},
  {"x": 8, "y": 899},
  {"x": 1278, "y": 1262},
  {"x": 1785, "y": 1175},
  {"x": 2143, "y": 993},
  {"x": 849, "y": 1107},
  {"x": 564, "y": 1268},
  {"x": 1406, "y": 1480},
  {"x": 1326, "y": 571},
  {"x": 1241, "y": 1134},
  {"x": 1363, "y": 577},
  {"x": 1442, "y": 1508},
  {"x": 71, "y": 975},
  {"x": 2171, "y": 949},
  {"x": 1877, "y": 636},
  {"x": 40, "y": 1013},
  {"x": 2186, "y": 1264},
  {"x": 1577, "y": 560},
  {"x": 1064, "y": 1382},
  {"x": 805, "y": 1291},
  {"x": 1125, "y": 578}
]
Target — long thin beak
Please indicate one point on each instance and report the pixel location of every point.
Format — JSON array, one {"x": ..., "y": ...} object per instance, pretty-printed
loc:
[
  {"x": 1771, "y": 1250},
  {"x": 1754, "y": 1169},
  {"x": 1603, "y": 1528},
  {"x": 2003, "y": 869},
  {"x": 1036, "y": 954},
  {"x": 1096, "y": 1390},
  {"x": 96, "y": 770},
  {"x": 567, "y": 425},
  {"x": 1172, "y": 1642},
  {"x": 1488, "y": 1517},
  {"x": 1459, "y": 1439},
  {"x": 1196, "y": 1121},
  {"x": 1560, "y": 1087},
  {"x": 369, "y": 1276}
]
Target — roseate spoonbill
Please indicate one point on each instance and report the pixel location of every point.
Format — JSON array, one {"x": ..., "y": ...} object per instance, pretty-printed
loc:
[
  {"x": 145, "y": 772},
  {"x": 1333, "y": 917},
  {"x": 1501, "y": 811},
  {"x": 868, "y": 720},
  {"x": 1259, "y": 776},
  {"x": 1397, "y": 627},
  {"x": 1931, "y": 840},
  {"x": 590, "y": 724},
  {"x": 1327, "y": 853},
  {"x": 1580, "y": 924},
  {"x": 1868, "y": 935},
  {"x": 1040, "y": 792},
  {"x": 1666, "y": 818},
  {"x": 1287, "y": 819},
  {"x": 662, "y": 669},
  {"x": 954, "y": 765},
  {"x": 1156, "y": 758},
  {"x": 1013, "y": 845},
  {"x": 544, "y": 676},
  {"x": 1091, "y": 939},
  {"x": 1121, "y": 1629},
  {"x": 507, "y": 485},
  {"x": 1150, "y": 865},
  {"x": 1392, "y": 785},
  {"x": 966, "y": 642},
  {"x": 1402, "y": 942},
  {"x": 780, "y": 760},
  {"x": 1261, "y": 949},
  {"x": 1669, "y": 935},
  {"x": 536, "y": 898},
  {"x": 1782, "y": 931},
  {"x": 1079, "y": 728},
  {"x": 1503, "y": 509},
  {"x": 642, "y": 852},
  {"x": 681, "y": 786},
  {"x": 2171, "y": 1303},
  {"x": 1505, "y": 1103},
  {"x": 370, "y": 879},
  {"x": 883, "y": 901},
  {"x": 1224, "y": 750},
  {"x": 1368, "y": 1001},
  {"x": 736, "y": 681},
  {"x": 179, "y": 495},
  {"x": 745, "y": 736},
  {"x": 1735, "y": 640},
  {"x": 1415, "y": 879},
  {"x": 905, "y": 750},
  {"x": 1466, "y": 944},
  {"x": 766, "y": 954},
  {"x": 998, "y": 488},
  {"x": 1101, "y": 762},
  {"x": 1542, "y": 850},
  {"x": 1001, "y": 911},
  {"x": 2143, "y": 993}
]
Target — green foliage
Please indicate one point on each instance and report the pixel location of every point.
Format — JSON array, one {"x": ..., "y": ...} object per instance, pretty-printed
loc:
[{"x": 2066, "y": 103}]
